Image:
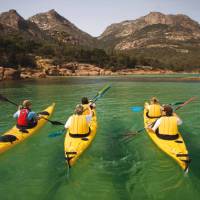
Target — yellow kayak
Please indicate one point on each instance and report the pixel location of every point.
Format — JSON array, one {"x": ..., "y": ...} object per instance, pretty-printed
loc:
[
  {"x": 174, "y": 148},
  {"x": 15, "y": 136},
  {"x": 74, "y": 147}
]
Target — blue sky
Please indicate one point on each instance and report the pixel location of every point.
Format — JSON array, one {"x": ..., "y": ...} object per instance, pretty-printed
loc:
[{"x": 93, "y": 16}]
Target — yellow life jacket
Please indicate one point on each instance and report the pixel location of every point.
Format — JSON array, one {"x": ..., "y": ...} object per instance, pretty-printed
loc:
[
  {"x": 168, "y": 126},
  {"x": 154, "y": 110},
  {"x": 79, "y": 125},
  {"x": 86, "y": 109}
]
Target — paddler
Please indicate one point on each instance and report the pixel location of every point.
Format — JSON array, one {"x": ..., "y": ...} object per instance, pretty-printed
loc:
[
  {"x": 78, "y": 123},
  {"x": 25, "y": 117},
  {"x": 154, "y": 108},
  {"x": 166, "y": 127},
  {"x": 87, "y": 105}
]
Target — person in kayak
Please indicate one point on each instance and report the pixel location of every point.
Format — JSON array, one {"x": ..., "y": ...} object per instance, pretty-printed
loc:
[
  {"x": 86, "y": 106},
  {"x": 154, "y": 108},
  {"x": 166, "y": 127},
  {"x": 78, "y": 123},
  {"x": 25, "y": 117}
]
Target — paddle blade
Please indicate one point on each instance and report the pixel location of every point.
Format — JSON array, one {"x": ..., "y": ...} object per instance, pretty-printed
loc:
[
  {"x": 185, "y": 103},
  {"x": 101, "y": 93},
  {"x": 137, "y": 108},
  {"x": 57, "y": 123},
  {"x": 56, "y": 134},
  {"x": 2, "y": 98},
  {"x": 43, "y": 113}
]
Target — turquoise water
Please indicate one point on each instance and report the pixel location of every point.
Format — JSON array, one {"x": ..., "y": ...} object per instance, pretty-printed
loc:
[{"x": 110, "y": 169}]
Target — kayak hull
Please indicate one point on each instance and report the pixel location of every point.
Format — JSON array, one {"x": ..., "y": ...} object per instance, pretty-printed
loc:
[
  {"x": 74, "y": 147},
  {"x": 176, "y": 149},
  {"x": 21, "y": 135}
]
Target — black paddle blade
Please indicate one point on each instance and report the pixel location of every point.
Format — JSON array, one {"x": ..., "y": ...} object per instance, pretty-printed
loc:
[
  {"x": 43, "y": 113},
  {"x": 2, "y": 98},
  {"x": 23, "y": 130},
  {"x": 8, "y": 138},
  {"x": 56, "y": 123}
]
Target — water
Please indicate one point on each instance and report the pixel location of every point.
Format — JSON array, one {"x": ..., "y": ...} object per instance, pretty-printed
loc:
[{"x": 110, "y": 169}]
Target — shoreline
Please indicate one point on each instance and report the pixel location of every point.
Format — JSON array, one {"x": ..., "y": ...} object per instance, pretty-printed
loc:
[
  {"x": 176, "y": 77},
  {"x": 45, "y": 70}
]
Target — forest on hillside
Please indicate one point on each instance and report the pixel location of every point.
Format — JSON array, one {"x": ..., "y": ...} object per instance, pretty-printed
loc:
[{"x": 17, "y": 52}]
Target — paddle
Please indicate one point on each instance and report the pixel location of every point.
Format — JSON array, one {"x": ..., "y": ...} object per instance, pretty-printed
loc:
[
  {"x": 53, "y": 122},
  {"x": 57, "y": 133},
  {"x": 94, "y": 99},
  {"x": 100, "y": 93},
  {"x": 178, "y": 107},
  {"x": 3, "y": 98},
  {"x": 140, "y": 108}
]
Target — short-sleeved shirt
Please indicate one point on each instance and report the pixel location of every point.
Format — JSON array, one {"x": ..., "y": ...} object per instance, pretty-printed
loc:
[{"x": 31, "y": 115}]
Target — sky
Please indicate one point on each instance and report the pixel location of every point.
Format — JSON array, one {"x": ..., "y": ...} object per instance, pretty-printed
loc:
[{"x": 93, "y": 16}]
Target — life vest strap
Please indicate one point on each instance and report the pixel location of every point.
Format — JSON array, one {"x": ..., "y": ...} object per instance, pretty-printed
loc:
[
  {"x": 152, "y": 117},
  {"x": 167, "y": 137},
  {"x": 80, "y": 135}
]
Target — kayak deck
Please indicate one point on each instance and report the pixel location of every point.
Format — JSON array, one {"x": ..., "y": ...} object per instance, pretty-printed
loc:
[
  {"x": 74, "y": 147},
  {"x": 16, "y": 136},
  {"x": 176, "y": 149}
]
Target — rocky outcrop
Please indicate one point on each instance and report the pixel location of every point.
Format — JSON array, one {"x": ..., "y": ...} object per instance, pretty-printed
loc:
[
  {"x": 27, "y": 73},
  {"x": 153, "y": 29},
  {"x": 61, "y": 29},
  {"x": 12, "y": 23},
  {"x": 9, "y": 74}
]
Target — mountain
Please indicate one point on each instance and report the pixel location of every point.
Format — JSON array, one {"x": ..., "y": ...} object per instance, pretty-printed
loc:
[
  {"x": 61, "y": 29},
  {"x": 12, "y": 23},
  {"x": 155, "y": 30},
  {"x": 156, "y": 40}
]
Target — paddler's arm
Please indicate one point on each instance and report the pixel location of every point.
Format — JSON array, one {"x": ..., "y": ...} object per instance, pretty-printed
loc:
[
  {"x": 179, "y": 121},
  {"x": 68, "y": 123},
  {"x": 32, "y": 116},
  {"x": 156, "y": 125},
  {"x": 16, "y": 115},
  {"x": 89, "y": 117}
]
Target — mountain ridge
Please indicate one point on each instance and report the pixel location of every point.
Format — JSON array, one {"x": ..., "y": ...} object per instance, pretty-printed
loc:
[
  {"x": 156, "y": 40},
  {"x": 61, "y": 29}
]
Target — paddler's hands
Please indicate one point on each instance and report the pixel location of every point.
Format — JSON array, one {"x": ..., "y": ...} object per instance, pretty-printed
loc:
[
  {"x": 92, "y": 105},
  {"x": 19, "y": 107}
]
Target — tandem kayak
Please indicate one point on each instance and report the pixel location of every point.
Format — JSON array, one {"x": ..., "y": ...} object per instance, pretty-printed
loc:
[
  {"x": 176, "y": 149},
  {"x": 74, "y": 147},
  {"x": 15, "y": 135}
]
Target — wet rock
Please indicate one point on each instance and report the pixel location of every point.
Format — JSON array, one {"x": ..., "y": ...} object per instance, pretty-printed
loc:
[{"x": 9, "y": 74}]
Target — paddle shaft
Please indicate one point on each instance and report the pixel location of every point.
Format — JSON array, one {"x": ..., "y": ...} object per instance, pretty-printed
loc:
[
  {"x": 6, "y": 99},
  {"x": 53, "y": 122}
]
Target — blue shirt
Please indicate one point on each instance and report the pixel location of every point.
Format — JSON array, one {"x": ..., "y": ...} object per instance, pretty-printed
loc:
[{"x": 31, "y": 115}]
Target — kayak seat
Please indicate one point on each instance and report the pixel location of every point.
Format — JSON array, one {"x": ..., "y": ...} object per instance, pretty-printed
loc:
[
  {"x": 71, "y": 152},
  {"x": 182, "y": 155}
]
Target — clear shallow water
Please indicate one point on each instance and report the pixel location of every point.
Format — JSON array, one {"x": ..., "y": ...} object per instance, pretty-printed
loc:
[{"x": 109, "y": 169}]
